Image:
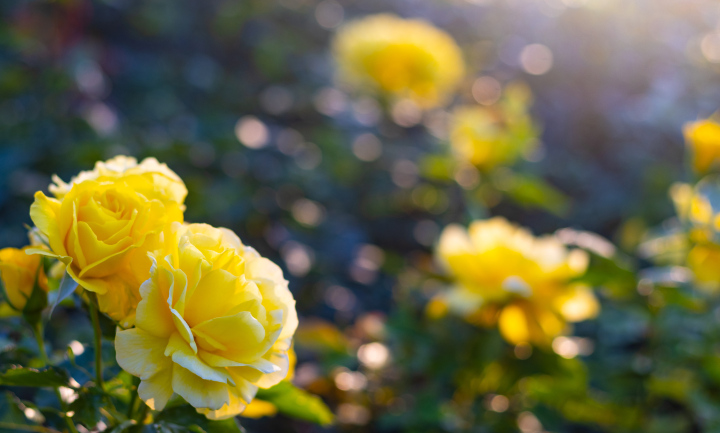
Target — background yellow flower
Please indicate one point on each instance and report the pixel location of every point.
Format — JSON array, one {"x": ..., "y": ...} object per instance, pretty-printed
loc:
[
  {"x": 18, "y": 271},
  {"x": 703, "y": 140},
  {"x": 701, "y": 221},
  {"x": 399, "y": 58},
  {"x": 215, "y": 322},
  {"x": 523, "y": 281},
  {"x": 498, "y": 135}
]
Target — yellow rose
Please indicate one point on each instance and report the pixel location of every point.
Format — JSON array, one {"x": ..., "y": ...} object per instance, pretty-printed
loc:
[
  {"x": 490, "y": 136},
  {"x": 703, "y": 140},
  {"x": 500, "y": 268},
  {"x": 155, "y": 180},
  {"x": 704, "y": 261},
  {"x": 399, "y": 58},
  {"x": 102, "y": 230},
  {"x": 476, "y": 136},
  {"x": 215, "y": 322},
  {"x": 695, "y": 208},
  {"x": 18, "y": 271}
]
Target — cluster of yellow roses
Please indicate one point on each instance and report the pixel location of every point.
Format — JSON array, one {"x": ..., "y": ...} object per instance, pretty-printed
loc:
[
  {"x": 201, "y": 314},
  {"x": 502, "y": 273},
  {"x": 696, "y": 204}
]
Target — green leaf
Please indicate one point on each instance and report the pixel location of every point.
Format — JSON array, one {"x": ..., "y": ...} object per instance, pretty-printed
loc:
[
  {"x": 10, "y": 412},
  {"x": 617, "y": 277},
  {"x": 438, "y": 167},
  {"x": 67, "y": 287},
  {"x": 531, "y": 191},
  {"x": 186, "y": 416},
  {"x": 297, "y": 403},
  {"x": 87, "y": 407},
  {"x": 24, "y": 376},
  {"x": 225, "y": 426},
  {"x": 123, "y": 426}
]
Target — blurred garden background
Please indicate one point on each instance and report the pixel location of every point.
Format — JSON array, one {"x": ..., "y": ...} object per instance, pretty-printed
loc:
[{"x": 349, "y": 192}]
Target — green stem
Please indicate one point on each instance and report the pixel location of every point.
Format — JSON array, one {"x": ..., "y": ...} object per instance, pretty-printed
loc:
[
  {"x": 133, "y": 400},
  {"x": 143, "y": 414},
  {"x": 38, "y": 331},
  {"x": 98, "y": 339}
]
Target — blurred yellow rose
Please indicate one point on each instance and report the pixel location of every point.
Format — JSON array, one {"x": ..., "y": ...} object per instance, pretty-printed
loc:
[
  {"x": 18, "y": 271},
  {"x": 215, "y": 322},
  {"x": 695, "y": 210},
  {"x": 694, "y": 207},
  {"x": 400, "y": 58},
  {"x": 153, "y": 179},
  {"x": 503, "y": 273},
  {"x": 490, "y": 136},
  {"x": 704, "y": 261},
  {"x": 703, "y": 140},
  {"x": 102, "y": 230}
]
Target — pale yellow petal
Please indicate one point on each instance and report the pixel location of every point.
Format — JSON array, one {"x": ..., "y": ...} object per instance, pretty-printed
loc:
[
  {"x": 198, "y": 392},
  {"x": 140, "y": 353},
  {"x": 221, "y": 334},
  {"x": 153, "y": 313},
  {"x": 513, "y": 325},
  {"x": 157, "y": 390},
  {"x": 578, "y": 304},
  {"x": 211, "y": 297},
  {"x": 44, "y": 214},
  {"x": 184, "y": 356}
]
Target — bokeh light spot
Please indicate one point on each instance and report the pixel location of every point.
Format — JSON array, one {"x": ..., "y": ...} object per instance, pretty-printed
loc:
[
  {"x": 486, "y": 90},
  {"x": 251, "y": 132},
  {"x": 373, "y": 355},
  {"x": 536, "y": 59}
]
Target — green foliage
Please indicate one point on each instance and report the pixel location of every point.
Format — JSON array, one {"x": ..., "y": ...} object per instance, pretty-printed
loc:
[
  {"x": 66, "y": 288},
  {"x": 532, "y": 191},
  {"x": 294, "y": 402},
  {"x": 612, "y": 273},
  {"x": 87, "y": 406},
  {"x": 185, "y": 418},
  {"x": 10, "y": 411},
  {"x": 25, "y": 376},
  {"x": 82, "y": 81}
]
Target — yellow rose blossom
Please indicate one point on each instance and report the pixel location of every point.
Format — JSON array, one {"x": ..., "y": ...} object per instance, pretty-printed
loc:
[
  {"x": 704, "y": 261},
  {"x": 703, "y": 140},
  {"x": 102, "y": 230},
  {"x": 18, "y": 272},
  {"x": 503, "y": 273},
  {"x": 400, "y": 58},
  {"x": 155, "y": 180},
  {"x": 215, "y": 322},
  {"x": 490, "y": 136},
  {"x": 695, "y": 210}
]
